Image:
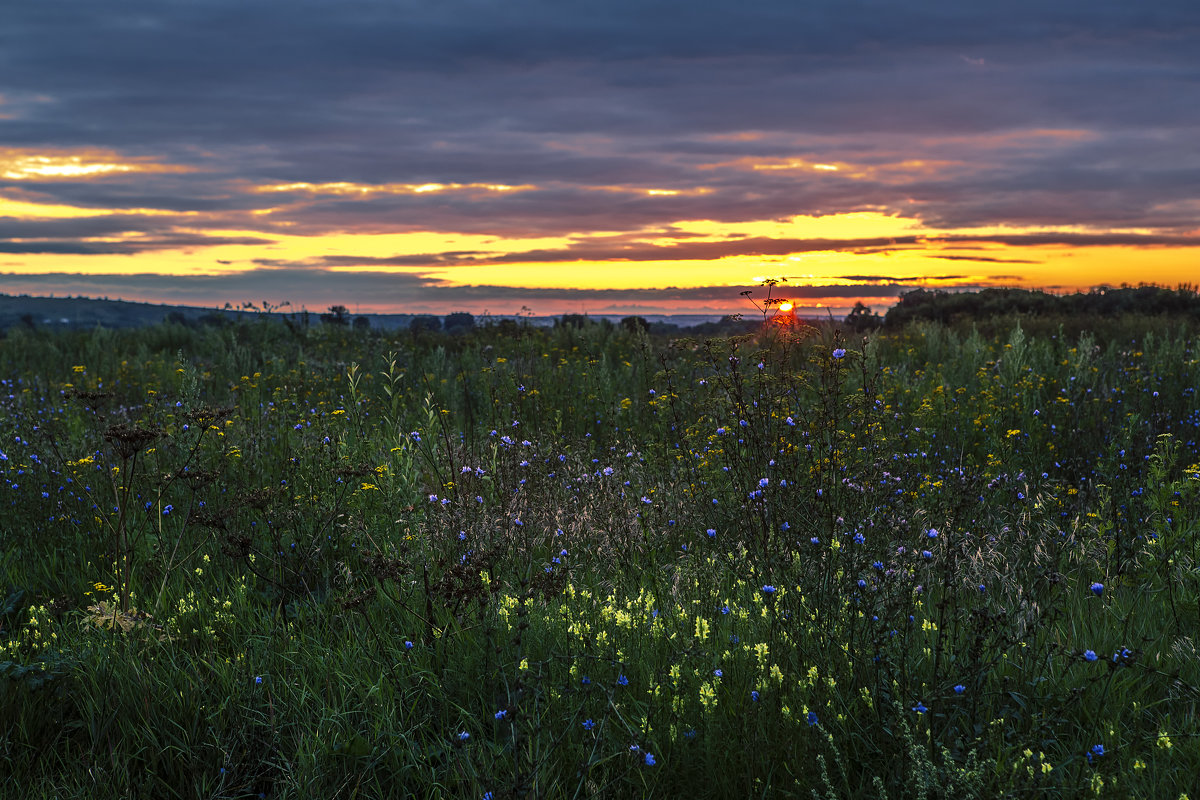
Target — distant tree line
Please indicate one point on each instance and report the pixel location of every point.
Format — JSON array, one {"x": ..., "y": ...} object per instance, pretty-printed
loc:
[{"x": 924, "y": 305}]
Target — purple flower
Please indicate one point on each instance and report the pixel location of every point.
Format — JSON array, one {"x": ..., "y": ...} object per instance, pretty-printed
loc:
[{"x": 839, "y": 352}]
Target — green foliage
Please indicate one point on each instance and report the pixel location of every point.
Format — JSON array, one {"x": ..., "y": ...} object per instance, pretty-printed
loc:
[{"x": 267, "y": 559}]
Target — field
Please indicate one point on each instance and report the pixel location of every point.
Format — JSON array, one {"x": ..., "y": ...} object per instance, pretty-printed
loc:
[{"x": 263, "y": 560}]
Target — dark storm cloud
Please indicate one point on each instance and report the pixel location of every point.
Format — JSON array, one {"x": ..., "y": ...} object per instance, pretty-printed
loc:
[{"x": 1080, "y": 114}]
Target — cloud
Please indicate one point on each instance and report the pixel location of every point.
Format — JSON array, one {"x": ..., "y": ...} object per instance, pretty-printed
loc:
[
  {"x": 317, "y": 288},
  {"x": 1079, "y": 118}
]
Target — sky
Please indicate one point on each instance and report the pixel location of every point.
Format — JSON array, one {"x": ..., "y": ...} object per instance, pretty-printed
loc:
[{"x": 616, "y": 157}]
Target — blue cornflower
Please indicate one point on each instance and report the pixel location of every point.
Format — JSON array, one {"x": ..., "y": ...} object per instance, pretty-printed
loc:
[
  {"x": 1097, "y": 589},
  {"x": 959, "y": 688},
  {"x": 768, "y": 589},
  {"x": 588, "y": 724},
  {"x": 862, "y": 584},
  {"x": 920, "y": 707},
  {"x": 463, "y": 736},
  {"x": 932, "y": 533},
  {"x": 408, "y": 645},
  {"x": 925, "y": 554},
  {"x": 764, "y": 482},
  {"x": 585, "y": 680},
  {"x": 1090, "y": 655},
  {"x": 488, "y": 796},
  {"x": 712, "y": 533},
  {"x": 167, "y": 510},
  {"x": 649, "y": 759},
  {"x": 502, "y": 713},
  {"x": 839, "y": 352},
  {"x": 811, "y": 718},
  {"x": 814, "y": 540},
  {"x": 1097, "y": 751},
  {"x": 258, "y": 680},
  {"x": 621, "y": 679},
  {"x": 416, "y": 437},
  {"x": 718, "y": 673},
  {"x": 754, "y": 696}
]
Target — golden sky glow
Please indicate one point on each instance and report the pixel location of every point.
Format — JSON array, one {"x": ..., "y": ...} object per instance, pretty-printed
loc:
[{"x": 605, "y": 161}]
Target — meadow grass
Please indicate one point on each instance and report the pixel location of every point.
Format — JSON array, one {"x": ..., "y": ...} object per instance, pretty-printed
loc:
[{"x": 263, "y": 560}]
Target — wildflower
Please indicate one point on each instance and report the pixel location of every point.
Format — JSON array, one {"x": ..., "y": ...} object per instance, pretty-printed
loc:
[
  {"x": 814, "y": 540},
  {"x": 811, "y": 718},
  {"x": 718, "y": 673},
  {"x": 925, "y": 554},
  {"x": 502, "y": 713},
  {"x": 650, "y": 759},
  {"x": 258, "y": 680},
  {"x": 839, "y": 352},
  {"x": 588, "y": 724},
  {"x": 932, "y": 533},
  {"x": 1089, "y": 655},
  {"x": 768, "y": 589},
  {"x": 712, "y": 533},
  {"x": 959, "y": 689},
  {"x": 1097, "y": 751},
  {"x": 621, "y": 679},
  {"x": 754, "y": 696},
  {"x": 1097, "y": 589},
  {"x": 585, "y": 680},
  {"x": 416, "y": 437},
  {"x": 167, "y": 510},
  {"x": 408, "y": 645},
  {"x": 463, "y": 736},
  {"x": 920, "y": 707}
]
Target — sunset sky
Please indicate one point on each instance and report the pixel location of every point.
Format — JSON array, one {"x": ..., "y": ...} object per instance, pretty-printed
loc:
[{"x": 606, "y": 157}]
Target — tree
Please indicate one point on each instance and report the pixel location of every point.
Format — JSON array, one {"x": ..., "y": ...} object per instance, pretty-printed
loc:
[{"x": 338, "y": 315}]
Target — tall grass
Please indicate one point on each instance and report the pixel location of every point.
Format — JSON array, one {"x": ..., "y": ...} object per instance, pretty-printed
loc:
[{"x": 263, "y": 560}]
